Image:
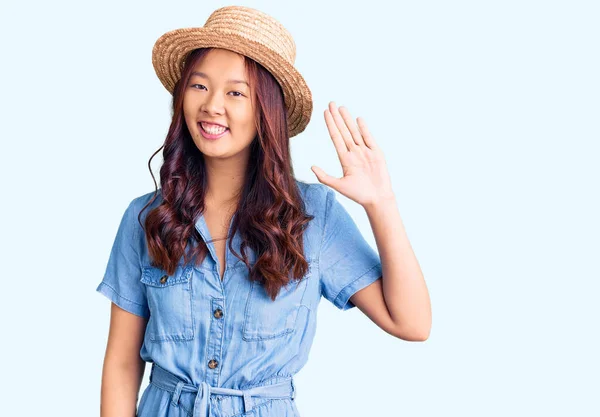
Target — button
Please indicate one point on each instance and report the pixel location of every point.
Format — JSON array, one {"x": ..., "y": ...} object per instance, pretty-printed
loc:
[
  {"x": 218, "y": 313},
  {"x": 212, "y": 364},
  {"x": 164, "y": 279}
]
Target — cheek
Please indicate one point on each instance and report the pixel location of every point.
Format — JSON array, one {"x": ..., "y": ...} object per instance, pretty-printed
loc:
[
  {"x": 247, "y": 117},
  {"x": 190, "y": 123},
  {"x": 187, "y": 114}
]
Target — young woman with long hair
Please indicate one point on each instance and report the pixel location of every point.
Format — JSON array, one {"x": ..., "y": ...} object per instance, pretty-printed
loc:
[{"x": 216, "y": 276}]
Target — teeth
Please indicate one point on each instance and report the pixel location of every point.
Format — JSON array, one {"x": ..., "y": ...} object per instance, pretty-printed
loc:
[{"x": 212, "y": 129}]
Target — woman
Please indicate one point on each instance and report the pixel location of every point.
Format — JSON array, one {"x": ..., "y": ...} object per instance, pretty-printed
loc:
[{"x": 228, "y": 322}]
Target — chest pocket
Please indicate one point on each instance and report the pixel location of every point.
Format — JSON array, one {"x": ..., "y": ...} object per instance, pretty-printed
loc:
[
  {"x": 170, "y": 303},
  {"x": 267, "y": 319}
]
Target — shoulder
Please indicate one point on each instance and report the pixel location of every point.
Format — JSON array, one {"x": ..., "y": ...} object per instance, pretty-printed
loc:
[
  {"x": 317, "y": 200},
  {"x": 145, "y": 198},
  {"x": 137, "y": 204},
  {"x": 314, "y": 195}
]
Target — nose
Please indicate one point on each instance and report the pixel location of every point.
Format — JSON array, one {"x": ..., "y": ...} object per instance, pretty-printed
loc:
[{"x": 213, "y": 104}]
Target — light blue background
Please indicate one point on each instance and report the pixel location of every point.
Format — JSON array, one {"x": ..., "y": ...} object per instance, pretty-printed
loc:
[{"x": 488, "y": 113}]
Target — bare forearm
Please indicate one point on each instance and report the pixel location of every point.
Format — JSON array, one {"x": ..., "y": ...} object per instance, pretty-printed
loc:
[
  {"x": 120, "y": 388},
  {"x": 404, "y": 287}
]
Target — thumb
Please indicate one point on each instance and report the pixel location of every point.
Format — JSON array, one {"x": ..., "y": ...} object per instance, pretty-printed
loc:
[{"x": 322, "y": 176}]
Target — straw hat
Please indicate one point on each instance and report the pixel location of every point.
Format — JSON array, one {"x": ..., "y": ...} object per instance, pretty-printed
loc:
[{"x": 249, "y": 32}]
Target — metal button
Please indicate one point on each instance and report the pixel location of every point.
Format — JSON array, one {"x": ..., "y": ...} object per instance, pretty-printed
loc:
[
  {"x": 218, "y": 313},
  {"x": 212, "y": 364},
  {"x": 164, "y": 279}
]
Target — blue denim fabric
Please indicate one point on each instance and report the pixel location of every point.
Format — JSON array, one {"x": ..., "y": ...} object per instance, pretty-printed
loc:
[{"x": 256, "y": 342}]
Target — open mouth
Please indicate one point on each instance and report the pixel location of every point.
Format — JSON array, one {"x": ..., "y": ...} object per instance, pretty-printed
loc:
[{"x": 213, "y": 132}]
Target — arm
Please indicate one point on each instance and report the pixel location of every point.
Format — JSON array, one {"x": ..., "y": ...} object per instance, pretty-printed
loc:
[
  {"x": 123, "y": 368},
  {"x": 399, "y": 302}
]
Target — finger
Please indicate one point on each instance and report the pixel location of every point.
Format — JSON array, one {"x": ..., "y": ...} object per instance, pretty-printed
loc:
[
  {"x": 366, "y": 135},
  {"x": 336, "y": 136},
  {"x": 323, "y": 177},
  {"x": 356, "y": 135},
  {"x": 341, "y": 125}
]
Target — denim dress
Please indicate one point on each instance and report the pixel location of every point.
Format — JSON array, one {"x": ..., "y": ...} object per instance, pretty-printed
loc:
[{"x": 223, "y": 348}]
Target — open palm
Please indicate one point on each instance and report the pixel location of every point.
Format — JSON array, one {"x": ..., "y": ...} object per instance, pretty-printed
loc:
[{"x": 366, "y": 178}]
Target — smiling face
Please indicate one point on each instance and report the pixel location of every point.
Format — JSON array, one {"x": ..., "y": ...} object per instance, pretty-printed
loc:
[{"x": 218, "y": 93}]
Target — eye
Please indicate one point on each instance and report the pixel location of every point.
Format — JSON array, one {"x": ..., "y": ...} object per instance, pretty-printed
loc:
[{"x": 236, "y": 93}]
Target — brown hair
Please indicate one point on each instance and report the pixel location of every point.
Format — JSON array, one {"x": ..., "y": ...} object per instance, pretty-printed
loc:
[{"x": 270, "y": 215}]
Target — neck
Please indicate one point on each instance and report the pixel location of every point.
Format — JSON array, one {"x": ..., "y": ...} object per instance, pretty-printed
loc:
[{"x": 224, "y": 184}]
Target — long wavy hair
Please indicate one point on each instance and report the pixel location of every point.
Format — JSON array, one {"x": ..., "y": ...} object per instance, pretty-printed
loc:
[{"x": 270, "y": 214}]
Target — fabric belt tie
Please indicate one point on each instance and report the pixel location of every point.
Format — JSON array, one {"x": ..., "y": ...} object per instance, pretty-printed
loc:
[{"x": 172, "y": 383}]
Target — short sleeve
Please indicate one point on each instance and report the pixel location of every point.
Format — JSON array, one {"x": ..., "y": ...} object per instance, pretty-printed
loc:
[
  {"x": 347, "y": 263},
  {"x": 121, "y": 283}
]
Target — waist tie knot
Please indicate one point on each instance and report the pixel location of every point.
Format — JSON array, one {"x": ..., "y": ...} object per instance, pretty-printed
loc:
[
  {"x": 172, "y": 383},
  {"x": 202, "y": 403}
]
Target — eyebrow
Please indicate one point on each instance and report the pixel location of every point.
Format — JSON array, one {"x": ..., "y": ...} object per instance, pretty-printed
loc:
[{"x": 203, "y": 75}]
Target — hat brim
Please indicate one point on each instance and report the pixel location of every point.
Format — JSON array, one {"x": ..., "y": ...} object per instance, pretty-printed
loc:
[{"x": 171, "y": 49}]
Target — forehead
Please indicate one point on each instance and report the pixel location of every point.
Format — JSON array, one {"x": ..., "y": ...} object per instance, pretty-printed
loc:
[{"x": 220, "y": 64}]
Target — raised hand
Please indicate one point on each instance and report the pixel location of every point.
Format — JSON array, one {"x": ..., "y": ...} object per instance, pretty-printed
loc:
[{"x": 366, "y": 179}]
